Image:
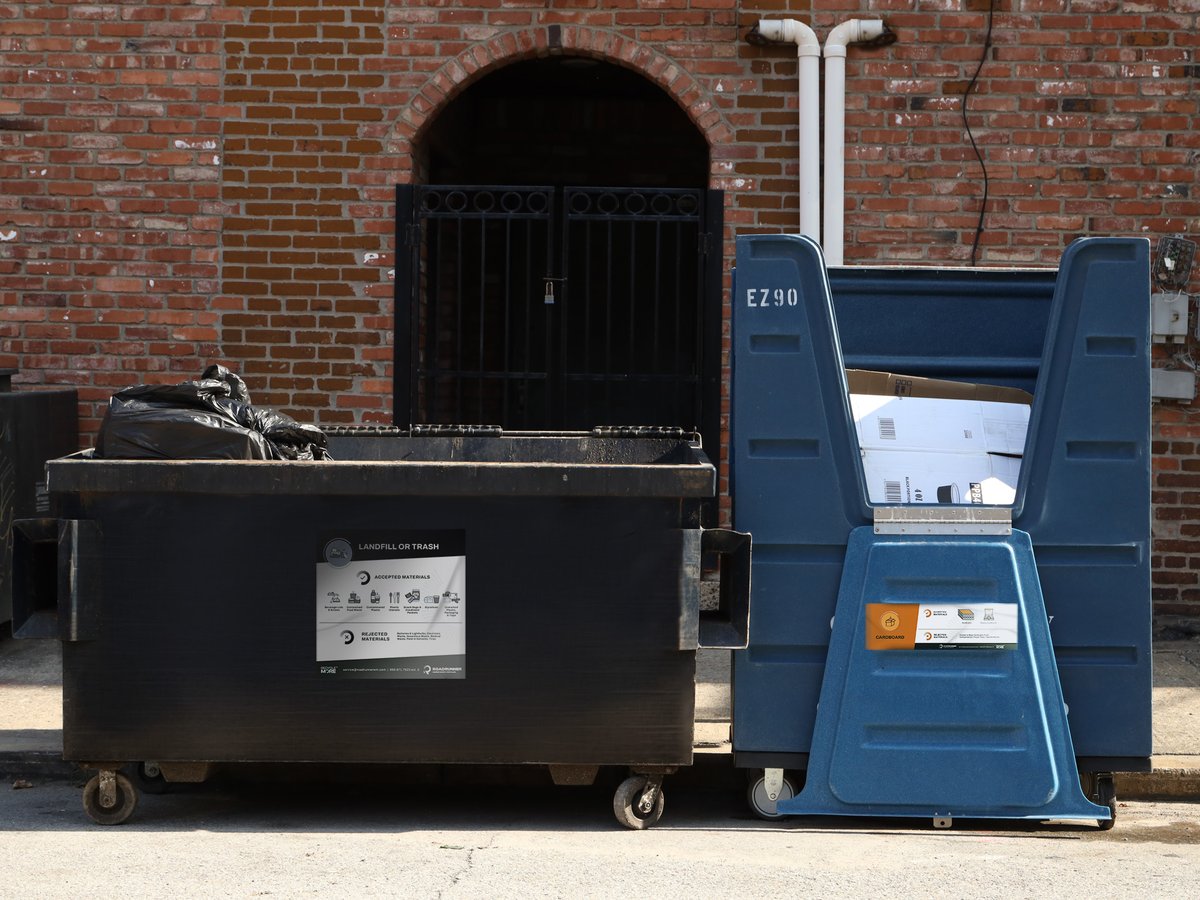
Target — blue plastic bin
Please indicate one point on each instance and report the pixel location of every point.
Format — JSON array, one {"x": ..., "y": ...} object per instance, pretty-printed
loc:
[{"x": 1077, "y": 338}]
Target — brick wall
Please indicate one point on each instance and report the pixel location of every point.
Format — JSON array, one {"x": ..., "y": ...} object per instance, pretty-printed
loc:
[
  {"x": 307, "y": 240},
  {"x": 110, "y": 208},
  {"x": 189, "y": 181}
]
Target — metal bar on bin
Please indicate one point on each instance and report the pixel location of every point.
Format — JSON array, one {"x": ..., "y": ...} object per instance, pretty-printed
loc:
[{"x": 730, "y": 627}]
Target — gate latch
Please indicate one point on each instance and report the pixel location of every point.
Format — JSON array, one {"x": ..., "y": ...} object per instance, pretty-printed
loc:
[{"x": 549, "y": 298}]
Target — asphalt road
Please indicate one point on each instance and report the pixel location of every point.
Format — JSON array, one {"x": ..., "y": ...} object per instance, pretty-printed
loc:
[{"x": 307, "y": 839}]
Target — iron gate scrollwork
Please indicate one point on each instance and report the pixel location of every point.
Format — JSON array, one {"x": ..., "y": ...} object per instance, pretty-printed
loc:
[{"x": 533, "y": 307}]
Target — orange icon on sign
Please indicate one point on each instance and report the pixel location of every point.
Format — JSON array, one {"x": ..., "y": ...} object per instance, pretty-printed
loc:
[{"x": 890, "y": 626}]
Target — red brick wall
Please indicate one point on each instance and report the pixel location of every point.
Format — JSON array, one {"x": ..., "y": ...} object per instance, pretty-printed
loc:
[
  {"x": 182, "y": 182},
  {"x": 110, "y": 120},
  {"x": 307, "y": 241}
]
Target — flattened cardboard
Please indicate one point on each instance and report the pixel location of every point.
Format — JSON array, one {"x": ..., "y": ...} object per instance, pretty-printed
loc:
[
  {"x": 926, "y": 440},
  {"x": 939, "y": 425},
  {"x": 896, "y": 476},
  {"x": 863, "y": 381}
]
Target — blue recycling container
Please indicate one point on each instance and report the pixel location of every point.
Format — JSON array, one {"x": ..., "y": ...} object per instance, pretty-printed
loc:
[{"x": 1077, "y": 338}]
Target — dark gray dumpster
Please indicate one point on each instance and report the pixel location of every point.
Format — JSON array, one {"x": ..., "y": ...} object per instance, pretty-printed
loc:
[{"x": 425, "y": 598}]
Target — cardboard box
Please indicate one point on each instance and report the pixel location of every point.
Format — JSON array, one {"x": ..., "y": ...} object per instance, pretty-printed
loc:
[
  {"x": 921, "y": 446},
  {"x": 863, "y": 381},
  {"x": 894, "y": 476},
  {"x": 939, "y": 425}
]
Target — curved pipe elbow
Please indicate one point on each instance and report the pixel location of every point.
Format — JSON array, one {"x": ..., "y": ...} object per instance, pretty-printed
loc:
[
  {"x": 791, "y": 31},
  {"x": 852, "y": 31}
]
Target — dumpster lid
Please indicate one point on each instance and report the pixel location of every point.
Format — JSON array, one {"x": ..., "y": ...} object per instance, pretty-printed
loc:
[{"x": 394, "y": 462}]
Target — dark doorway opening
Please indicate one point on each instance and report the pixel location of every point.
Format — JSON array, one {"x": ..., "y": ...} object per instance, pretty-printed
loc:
[
  {"x": 561, "y": 269},
  {"x": 565, "y": 120}
]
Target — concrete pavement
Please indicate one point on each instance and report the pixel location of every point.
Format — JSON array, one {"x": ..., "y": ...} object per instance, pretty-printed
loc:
[{"x": 31, "y": 716}]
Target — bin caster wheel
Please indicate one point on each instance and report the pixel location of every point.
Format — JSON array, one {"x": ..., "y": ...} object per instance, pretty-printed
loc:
[
  {"x": 114, "y": 808},
  {"x": 1106, "y": 795},
  {"x": 149, "y": 778},
  {"x": 761, "y": 804},
  {"x": 1100, "y": 789},
  {"x": 628, "y": 802}
]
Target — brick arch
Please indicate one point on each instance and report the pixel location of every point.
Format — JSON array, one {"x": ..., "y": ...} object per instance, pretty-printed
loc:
[{"x": 487, "y": 56}]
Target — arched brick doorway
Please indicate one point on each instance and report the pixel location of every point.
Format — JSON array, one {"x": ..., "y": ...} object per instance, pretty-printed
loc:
[{"x": 559, "y": 265}]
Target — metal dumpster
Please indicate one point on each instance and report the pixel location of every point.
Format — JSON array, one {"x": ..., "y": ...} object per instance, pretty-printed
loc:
[
  {"x": 1078, "y": 340},
  {"x": 427, "y": 597},
  {"x": 34, "y": 426}
]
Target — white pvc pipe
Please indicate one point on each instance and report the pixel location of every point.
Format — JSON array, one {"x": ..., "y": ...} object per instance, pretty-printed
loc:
[
  {"x": 808, "y": 56},
  {"x": 849, "y": 32}
]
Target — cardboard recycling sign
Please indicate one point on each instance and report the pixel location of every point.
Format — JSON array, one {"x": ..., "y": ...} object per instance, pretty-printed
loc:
[{"x": 941, "y": 626}]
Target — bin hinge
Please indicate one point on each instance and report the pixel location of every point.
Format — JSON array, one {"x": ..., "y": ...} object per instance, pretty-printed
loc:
[
  {"x": 670, "y": 432},
  {"x": 943, "y": 520},
  {"x": 456, "y": 431},
  {"x": 364, "y": 431}
]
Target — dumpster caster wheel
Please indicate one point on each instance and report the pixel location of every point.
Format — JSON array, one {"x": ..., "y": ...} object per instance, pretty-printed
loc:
[
  {"x": 638, "y": 802},
  {"x": 149, "y": 778},
  {"x": 1099, "y": 788},
  {"x": 1106, "y": 795},
  {"x": 109, "y": 798},
  {"x": 761, "y": 803}
]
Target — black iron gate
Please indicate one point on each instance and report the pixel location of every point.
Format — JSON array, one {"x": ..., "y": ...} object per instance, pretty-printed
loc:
[{"x": 558, "y": 308}]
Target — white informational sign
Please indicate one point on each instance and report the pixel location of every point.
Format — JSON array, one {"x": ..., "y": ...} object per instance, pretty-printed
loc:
[
  {"x": 946, "y": 626},
  {"x": 392, "y": 605}
]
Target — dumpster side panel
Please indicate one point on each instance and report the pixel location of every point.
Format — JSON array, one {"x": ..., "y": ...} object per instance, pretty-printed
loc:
[
  {"x": 1085, "y": 492},
  {"x": 206, "y": 635},
  {"x": 790, "y": 437}
]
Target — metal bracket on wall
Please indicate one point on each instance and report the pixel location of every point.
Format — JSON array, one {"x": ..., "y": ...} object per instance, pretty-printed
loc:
[
  {"x": 1169, "y": 317},
  {"x": 1172, "y": 384}
]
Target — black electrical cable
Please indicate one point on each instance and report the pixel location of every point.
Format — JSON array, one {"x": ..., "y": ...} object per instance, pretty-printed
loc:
[{"x": 987, "y": 45}]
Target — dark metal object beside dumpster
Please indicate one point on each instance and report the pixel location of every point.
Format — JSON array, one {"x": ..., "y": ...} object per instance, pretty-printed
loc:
[
  {"x": 425, "y": 598},
  {"x": 35, "y": 425}
]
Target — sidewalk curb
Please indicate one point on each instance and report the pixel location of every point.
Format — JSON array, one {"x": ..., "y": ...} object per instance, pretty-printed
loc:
[
  {"x": 1171, "y": 782},
  {"x": 40, "y": 765}
]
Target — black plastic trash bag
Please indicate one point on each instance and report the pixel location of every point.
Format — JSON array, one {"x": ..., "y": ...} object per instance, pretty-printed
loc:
[
  {"x": 207, "y": 419},
  {"x": 237, "y": 387}
]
